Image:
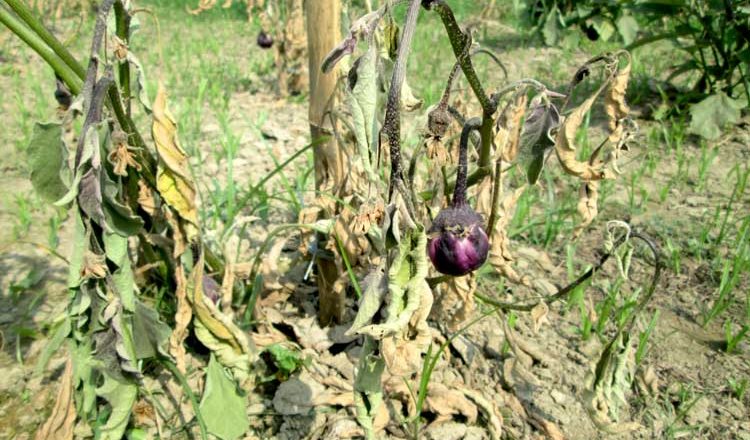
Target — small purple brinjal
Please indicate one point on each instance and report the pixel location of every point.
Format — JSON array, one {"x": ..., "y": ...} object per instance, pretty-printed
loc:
[
  {"x": 457, "y": 242},
  {"x": 264, "y": 40}
]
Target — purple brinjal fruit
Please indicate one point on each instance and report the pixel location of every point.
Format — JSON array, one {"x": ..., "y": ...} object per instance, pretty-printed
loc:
[
  {"x": 457, "y": 242},
  {"x": 264, "y": 40}
]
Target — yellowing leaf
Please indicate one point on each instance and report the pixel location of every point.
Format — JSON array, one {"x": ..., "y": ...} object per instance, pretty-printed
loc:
[
  {"x": 173, "y": 177},
  {"x": 217, "y": 331}
]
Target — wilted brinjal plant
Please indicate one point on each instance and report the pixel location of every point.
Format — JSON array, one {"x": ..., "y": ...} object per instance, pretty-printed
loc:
[
  {"x": 142, "y": 273},
  {"x": 448, "y": 200},
  {"x": 139, "y": 279}
]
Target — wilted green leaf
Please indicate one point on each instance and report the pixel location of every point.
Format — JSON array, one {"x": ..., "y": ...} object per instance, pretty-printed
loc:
[
  {"x": 627, "y": 26},
  {"x": 48, "y": 159},
  {"x": 606, "y": 387},
  {"x": 140, "y": 84},
  {"x": 79, "y": 249},
  {"x": 121, "y": 395},
  {"x": 222, "y": 406},
  {"x": 90, "y": 195},
  {"x": 122, "y": 325},
  {"x": 89, "y": 150},
  {"x": 116, "y": 248},
  {"x": 83, "y": 379},
  {"x": 53, "y": 345},
  {"x": 216, "y": 330},
  {"x": 362, "y": 100},
  {"x": 535, "y": 140},
  {"x": 150, "y": 334},
  {"x": 376, "y": 287},
  {"x": 711, "y": 115},
  {"x": 118, "y": 217},
  {"x": 368, "y": 389}
]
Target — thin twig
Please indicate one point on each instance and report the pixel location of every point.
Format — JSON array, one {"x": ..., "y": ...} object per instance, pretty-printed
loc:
[{"x": 581, "y": 279}]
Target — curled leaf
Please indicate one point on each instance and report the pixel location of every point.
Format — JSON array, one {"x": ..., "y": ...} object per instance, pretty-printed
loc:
[
  {"x": 587, "y": 205},
  {"x": 614, "y": 102},
  {"x": 60, "y": 423},
  {"x": 216, "y": 330},
  {"x": 508, "y": 127},
  {"x": 173, "y": 177},
  {"x": 606, "y": 385},
  {"x": 541, "y": 119},
  {"x": 500, "y": 256},
  {"x": 566, "y": 149}
]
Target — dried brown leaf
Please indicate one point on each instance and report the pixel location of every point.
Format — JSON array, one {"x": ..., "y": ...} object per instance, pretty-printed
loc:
[
  {"x": 203, "y": 5},
  {"x": 147, "y": 198},
  {"x": 500, "y": 256},
  {"x": 539, "y": 316},
  {"x": 587, "y": 205},
  {"x": 447, "y": 402},
  {"x": 121, "y": 158},
  {"x": 182, "y": 318},
  {"x": 437, "y": 151},
  {"x": 490, "y": 410},
  {"x": 369, "y": 214},
  {"x": 566, "y": 149},
  {"x": 455, "y": 301},
  {"x": 508, "y": 128},
  {"x": 346, "y": 229},
  {"x": 614, "y": 102},
  {"x": 60, "y": 423},
  {"x": 550, "y": 430},
  {"x": 94, "y": 265},
  {"x": 483, "y": 195}
]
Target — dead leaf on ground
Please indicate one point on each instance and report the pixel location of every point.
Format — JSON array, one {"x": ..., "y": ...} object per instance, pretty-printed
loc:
[
  {"x": 490, "y": 411},
  {"x": 446, "y": 403}
]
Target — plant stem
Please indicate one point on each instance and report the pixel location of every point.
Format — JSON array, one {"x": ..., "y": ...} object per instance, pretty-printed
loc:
[
  {"x": 459, "y": 194},
  {"x": 122, "y": 29},
  {"x": 72, "y": 72},
  {"x": 38, "y": 45},
  {"x": 497, "y": 187},
  {"x": 392, "y": 124},
  {"x": 191, "y": 396},
  {"x": 23, "y": 11},
  {"x": 460, "y": 42}
]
